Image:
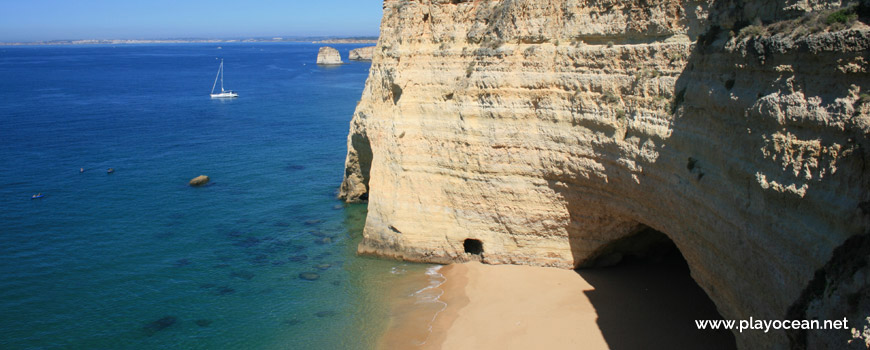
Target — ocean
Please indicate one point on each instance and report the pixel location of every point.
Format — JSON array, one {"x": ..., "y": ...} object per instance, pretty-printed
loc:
[{"x": 263, "y": 257}]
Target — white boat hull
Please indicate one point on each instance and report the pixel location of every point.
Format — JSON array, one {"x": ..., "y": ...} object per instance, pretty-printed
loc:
[{"x": 227, "y": 94}]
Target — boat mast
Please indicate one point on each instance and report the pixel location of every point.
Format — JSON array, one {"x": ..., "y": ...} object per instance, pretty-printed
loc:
[
  {"x": 222, "y": 75},
  {"x": 216, "y": 78}
]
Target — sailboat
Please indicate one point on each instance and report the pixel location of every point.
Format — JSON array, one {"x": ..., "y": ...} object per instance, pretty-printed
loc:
[{"x": 223, "y": 93}]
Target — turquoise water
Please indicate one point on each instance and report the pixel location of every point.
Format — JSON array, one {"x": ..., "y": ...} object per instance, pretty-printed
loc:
[{"x": 139, "y": 260}]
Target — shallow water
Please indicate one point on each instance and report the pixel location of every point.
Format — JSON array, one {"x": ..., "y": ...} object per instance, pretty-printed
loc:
[{"x": 138, "y": 259}]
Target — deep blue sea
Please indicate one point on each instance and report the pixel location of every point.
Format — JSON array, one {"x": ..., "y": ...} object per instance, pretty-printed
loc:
[{"x": 137, "y": 259}]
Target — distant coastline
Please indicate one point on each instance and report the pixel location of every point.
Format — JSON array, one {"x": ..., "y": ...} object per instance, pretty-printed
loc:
[
  {"x": 316, "y": 40},
  {"x": 347, "y": 41}
]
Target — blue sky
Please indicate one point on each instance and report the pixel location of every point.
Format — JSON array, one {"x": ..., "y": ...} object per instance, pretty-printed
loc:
[{"x": 35, "y": 20}]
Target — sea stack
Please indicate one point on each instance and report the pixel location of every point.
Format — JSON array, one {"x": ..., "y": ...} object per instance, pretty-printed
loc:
[
  {"x": 361, "y": 54},
  {"x": 199, "y": 181},
  {"x": 328, "y": 56}
]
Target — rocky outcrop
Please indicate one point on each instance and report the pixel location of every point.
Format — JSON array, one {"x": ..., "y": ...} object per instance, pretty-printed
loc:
[
  {"x": 328, "y": 56},
  {"x": 361, "y": 54},
  {"x": 199, "y": 181},
  {"x": 542, "y": 132}
]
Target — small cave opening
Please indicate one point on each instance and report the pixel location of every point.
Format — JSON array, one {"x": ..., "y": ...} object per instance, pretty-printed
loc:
[
  {"x": 642, "y": 286},
  {"x": 473, "y": 246}
]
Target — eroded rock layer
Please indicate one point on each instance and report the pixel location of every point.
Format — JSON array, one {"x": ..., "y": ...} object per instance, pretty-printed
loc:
[{"x": 546, "y": 130}]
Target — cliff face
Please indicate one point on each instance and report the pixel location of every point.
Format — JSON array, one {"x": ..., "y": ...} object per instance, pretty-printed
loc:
[
  {"x": 328, "y": 56},
  {"x": 547, "y": 130}
]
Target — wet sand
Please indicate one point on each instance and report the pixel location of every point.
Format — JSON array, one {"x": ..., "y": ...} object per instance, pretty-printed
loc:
[{"x": 630, "y": 306}]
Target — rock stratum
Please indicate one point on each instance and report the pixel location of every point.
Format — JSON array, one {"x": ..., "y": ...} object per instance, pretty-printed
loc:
[
  {"x": 361, "y": 54},
  {"x": 547, "y": 132},
  {"x": 328, "y": 56}
]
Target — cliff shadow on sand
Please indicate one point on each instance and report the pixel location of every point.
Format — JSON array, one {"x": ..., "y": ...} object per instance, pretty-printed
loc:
[{"x": 648, "y": 300}]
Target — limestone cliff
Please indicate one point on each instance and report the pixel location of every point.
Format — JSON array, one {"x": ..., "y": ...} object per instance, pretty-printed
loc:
[
  {"x": 328, "y": 56},
  {"x": 361, "y": 54},
  {"x": 547, "y": 130}
]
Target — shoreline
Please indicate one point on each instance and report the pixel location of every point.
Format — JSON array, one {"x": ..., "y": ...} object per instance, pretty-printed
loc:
[{"x": 520, "y": 307}]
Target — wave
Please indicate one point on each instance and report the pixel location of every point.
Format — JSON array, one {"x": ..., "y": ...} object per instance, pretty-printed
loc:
[{"x": 436, "y": 279}]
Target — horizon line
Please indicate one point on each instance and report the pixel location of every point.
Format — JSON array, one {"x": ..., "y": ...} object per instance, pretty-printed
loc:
[{"x": 274, "y": 38}]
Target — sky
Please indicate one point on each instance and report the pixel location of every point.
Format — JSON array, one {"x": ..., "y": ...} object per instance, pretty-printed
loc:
[{"x": 41, "y": 20}]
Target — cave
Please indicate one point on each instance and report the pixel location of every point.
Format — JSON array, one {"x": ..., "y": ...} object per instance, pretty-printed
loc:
[
  {"x": 473, "y": 246},
  {"x": 643, "y": 287}
]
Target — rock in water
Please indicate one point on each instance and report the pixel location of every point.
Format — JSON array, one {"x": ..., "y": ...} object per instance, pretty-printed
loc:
[
  {"x": 199, "y": 180},
  {"x": 362, "y": 54},
  {"x": 328, "y": 56},
  {"x": 309, "y": 276},
  {"x": 159, "y": 325}
]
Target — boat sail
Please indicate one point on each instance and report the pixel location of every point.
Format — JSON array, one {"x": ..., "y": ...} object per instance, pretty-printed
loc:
[{"x": 223, "y": 93}]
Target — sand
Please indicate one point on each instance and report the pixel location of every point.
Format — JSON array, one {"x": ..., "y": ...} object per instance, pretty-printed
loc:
[
  {"x": 650, "y": 306},
  {"x": 519, "y": 307}
]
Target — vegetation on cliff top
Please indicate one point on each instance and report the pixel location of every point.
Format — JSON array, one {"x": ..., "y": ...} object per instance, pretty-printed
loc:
[{"x": 810, "y": 23}]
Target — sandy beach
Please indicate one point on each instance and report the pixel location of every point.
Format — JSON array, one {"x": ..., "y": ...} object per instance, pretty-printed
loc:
[{"x": 630, "y": 306}]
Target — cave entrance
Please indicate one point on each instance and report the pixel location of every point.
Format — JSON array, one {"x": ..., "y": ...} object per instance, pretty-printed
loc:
[
  {"x": 645, "y": 297},
  {"x": 473, "y": 246}
]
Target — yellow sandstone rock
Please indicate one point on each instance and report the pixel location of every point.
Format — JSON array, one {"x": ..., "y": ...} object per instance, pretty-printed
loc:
[
  {"x": 328, "y": 56},
  {"x": 540, "y": 132},
  {"x": 199, "y": 180}
]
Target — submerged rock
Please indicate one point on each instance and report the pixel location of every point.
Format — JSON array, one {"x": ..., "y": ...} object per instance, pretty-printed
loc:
[
  {"x": 245, "y": 275},
  {"x": 159, "y": 325},
  {"x": 199, "y": 180},
  {"x": 324, "y": 240},
  {"x": 259, "y": 259},
  {"x": 323, "y": 266},
  {"x": 309, "y": 276},
  {"x": 248, "y": 242},
  {"x": 291, "y": 322},
  {"x": 225, "y": 290},
  {"x": 297, "y": 258},
  {"x": 328, "y": 56}
]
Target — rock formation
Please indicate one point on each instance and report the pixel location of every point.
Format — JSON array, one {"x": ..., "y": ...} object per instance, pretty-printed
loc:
[
  {"x": 199, "y": 180},
  {"x": 361, "y": 54},
  {"x": 328, "y": 56},
  {"x": 541, "y": 132}
]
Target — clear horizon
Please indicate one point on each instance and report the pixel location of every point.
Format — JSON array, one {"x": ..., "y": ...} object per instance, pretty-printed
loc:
[{"x": 49, "y": 20}]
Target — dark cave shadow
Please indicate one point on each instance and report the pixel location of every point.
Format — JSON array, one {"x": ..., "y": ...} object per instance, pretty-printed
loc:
[{"x": 652, "y": 303}]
